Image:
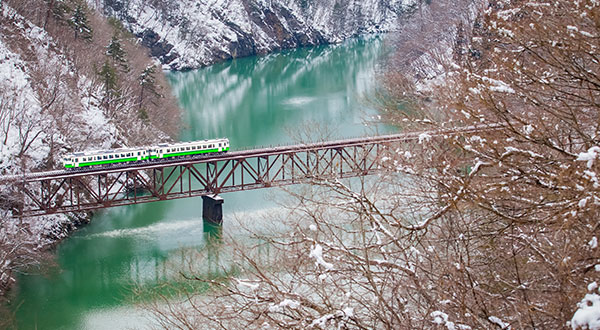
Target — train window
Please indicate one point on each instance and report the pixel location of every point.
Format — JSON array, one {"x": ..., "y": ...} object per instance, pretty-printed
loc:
[
  {"x": 139, "y": 153},
  {"x": 219, "y": 144},
  {"x": 188, "y": 148},
  {"x": 110, "y": 156},
  {"x": 122, "y": 155}
]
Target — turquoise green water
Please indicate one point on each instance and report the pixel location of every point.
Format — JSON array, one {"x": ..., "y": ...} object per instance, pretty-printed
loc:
[{"x": 257, "y": 101}]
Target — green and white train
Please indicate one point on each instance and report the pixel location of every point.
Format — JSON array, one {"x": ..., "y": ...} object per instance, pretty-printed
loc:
[{"x": 140, "y": 154}]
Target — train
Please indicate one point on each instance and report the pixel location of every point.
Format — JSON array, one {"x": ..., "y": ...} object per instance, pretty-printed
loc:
[{"x": 143, "y": 154}]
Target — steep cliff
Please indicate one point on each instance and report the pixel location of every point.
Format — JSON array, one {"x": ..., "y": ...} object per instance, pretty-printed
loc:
[{"x": 186, "y": 34}]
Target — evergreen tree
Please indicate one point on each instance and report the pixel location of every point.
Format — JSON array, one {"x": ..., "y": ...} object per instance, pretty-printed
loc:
[
  {"x": 80, "y": 23},
  {"x": 148, "y": 83},
  {"x": 59, "y": 9},
  {"x": 115, "y": 51},
  {"x": 109, "y": 77}
]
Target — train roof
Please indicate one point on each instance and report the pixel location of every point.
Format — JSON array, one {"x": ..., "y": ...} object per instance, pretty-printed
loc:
[
  {"x": 119, "y": 150},
  {"x": 161, "y": 145},
  {"x": 164, "y": 145}
]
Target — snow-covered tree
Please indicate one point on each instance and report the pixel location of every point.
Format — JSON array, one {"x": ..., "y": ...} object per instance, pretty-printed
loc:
[
  {"x": 115, "y": 51},
  {"x": 490, "y": 225},
  {"x": 79, "y": 22}
]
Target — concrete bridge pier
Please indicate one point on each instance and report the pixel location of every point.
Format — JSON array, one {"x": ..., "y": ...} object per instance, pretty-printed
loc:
[{"x": 212, "y": 209}]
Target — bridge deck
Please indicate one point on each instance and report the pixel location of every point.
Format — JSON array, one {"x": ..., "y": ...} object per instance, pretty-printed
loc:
[{"x": 132, "y": 183}]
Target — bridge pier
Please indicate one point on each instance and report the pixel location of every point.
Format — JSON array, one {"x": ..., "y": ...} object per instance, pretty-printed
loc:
[{"x": 212, "y": 209}]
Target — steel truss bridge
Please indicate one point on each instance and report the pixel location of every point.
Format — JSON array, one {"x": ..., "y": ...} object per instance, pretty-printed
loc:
[{"x": 94, "y": 188}]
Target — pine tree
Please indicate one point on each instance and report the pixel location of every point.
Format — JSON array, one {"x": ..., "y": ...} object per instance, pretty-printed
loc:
[
  {"x": 148, "y": 83},
  {"x": 115, "y": 51},
  {"x": 80, "y": 23},
  {"x": 59, "y": 9},
  {"x": 109, "y": 77}
]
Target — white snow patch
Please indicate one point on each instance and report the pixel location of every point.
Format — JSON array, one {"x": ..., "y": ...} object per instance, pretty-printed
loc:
[
  {"x": 589, "y": 156},
  {"x": 593, "y": 243},
  {"x": 499, "y": 322},
  {"x": 317, "y": 253},
  {"x": 587, "y": 315},
  {"x": 424, "y": 137}
]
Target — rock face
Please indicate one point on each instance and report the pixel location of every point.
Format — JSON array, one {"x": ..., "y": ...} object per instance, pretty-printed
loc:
[{"x": 186, "y": 34}]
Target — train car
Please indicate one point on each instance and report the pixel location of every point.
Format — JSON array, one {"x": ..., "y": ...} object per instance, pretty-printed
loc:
[
  {"x": 105, "y": 157},
  {"x": 161, "y": 151},
  {"x": 184, "y": 149}
]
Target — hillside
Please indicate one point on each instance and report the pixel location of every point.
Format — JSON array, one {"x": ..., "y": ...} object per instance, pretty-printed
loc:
[
  {"x": 62, "y": 90},
  {"x": 185, "y": 34}
]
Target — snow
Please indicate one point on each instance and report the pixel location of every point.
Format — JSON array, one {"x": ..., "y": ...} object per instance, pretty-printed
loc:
[
  {"x": 248, "y": 284},
  {"x": 317, "y": 253},
  {"x": 293, "y": 304},
  {"x": 441, "y": 318},
  {"x": 593, "y": 243},
  {"x": 587, "y": 315},
  {"x": 589, "y": 156},
  {"x": 83, "y": 125},
  {"x": 202, "y": 32},
  {"x": 498, "y": 85},
  {"x": 499, "y": 322},
  {"x": 424, "y": 137},
  {"x": 14, "y": 81},
  {"x": 321, "y": 322}
]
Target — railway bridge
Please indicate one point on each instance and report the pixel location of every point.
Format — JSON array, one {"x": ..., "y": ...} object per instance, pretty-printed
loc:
[{"x": 86, "y": 189}]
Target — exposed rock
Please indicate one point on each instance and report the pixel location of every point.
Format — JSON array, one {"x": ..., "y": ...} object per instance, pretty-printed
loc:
[{"x": 185, "y": 34}]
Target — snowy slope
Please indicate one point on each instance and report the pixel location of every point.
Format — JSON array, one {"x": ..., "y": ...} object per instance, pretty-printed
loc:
[
  {"x": 23, "y": 84},
  {"x": 33, "y": 131},
  {"x": 187, "y": 34}
]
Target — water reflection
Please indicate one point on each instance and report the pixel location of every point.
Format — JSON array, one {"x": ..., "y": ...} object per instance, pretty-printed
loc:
[
  {"x": 243, "y": 98},
  {"x": 253, "y": 102}
]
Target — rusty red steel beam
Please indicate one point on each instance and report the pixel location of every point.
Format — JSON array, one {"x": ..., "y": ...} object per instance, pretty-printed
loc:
[
  {"x": 265, "y": 151},
  {"x": 69, "y": 191}
]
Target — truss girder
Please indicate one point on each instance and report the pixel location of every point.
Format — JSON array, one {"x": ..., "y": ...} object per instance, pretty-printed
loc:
[{"x": 69, "y": 191}]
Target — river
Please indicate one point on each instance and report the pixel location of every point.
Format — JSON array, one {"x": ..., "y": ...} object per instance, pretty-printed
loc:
[{"x": 255, "y": 101}]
